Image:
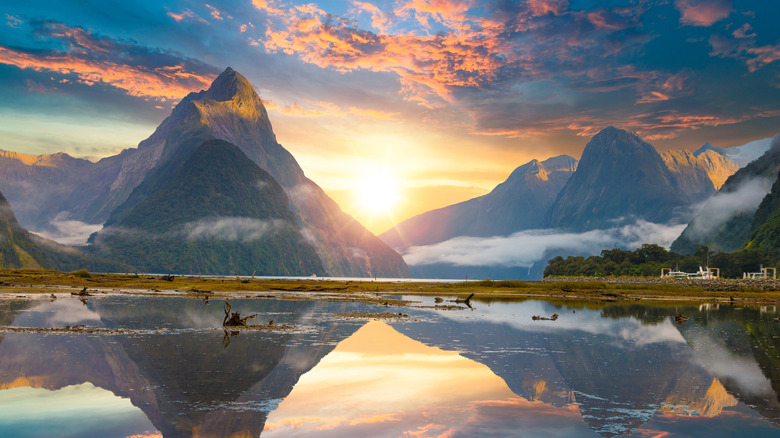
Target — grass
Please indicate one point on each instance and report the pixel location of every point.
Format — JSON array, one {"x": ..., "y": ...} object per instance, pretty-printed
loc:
[{"x": 47, "y": 281}]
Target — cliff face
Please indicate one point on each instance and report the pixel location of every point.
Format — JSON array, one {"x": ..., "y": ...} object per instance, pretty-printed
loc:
[{"x": 691, "y": 172}]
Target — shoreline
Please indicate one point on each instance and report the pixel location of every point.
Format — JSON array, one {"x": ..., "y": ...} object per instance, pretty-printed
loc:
[{"x": 14, "y": 283}]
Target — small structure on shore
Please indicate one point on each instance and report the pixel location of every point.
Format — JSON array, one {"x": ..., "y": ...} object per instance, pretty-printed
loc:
[
  {"x": 765, "y": 274},
  {"x": 705, "y": 273}
]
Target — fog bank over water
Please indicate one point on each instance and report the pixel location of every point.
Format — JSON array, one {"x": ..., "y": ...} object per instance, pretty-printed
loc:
[{"x": 527, "y": 248}]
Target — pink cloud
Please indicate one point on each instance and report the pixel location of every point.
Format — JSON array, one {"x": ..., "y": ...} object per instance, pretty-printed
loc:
[
  {"x": 702, "y": 12},
  {"x": 742, "y": 32},
  {"x": 543, "y": 7}
]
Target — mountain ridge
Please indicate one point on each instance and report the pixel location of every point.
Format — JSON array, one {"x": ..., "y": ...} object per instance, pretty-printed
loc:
[{"x": 518, "y": 203}]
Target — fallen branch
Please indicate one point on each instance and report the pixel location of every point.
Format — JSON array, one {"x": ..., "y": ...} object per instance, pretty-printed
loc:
[{"x": 234, "y": 319}]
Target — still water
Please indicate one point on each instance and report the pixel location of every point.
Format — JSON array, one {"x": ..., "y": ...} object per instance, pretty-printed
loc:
[{"x": 490, "y": 371}]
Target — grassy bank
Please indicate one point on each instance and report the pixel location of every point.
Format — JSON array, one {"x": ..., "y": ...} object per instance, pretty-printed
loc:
[{"x": 41, "y": 281}]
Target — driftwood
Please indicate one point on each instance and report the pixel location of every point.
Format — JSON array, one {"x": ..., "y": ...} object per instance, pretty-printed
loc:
[
  {"x": 466, "y": 301},
  {"x": 234, "y": 319},
  {"x": 82, "y": 293},
  {"x": 544, "y": 318}
]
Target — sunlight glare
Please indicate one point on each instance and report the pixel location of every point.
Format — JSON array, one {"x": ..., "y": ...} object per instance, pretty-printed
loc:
[{"x": 377, "y": 192}]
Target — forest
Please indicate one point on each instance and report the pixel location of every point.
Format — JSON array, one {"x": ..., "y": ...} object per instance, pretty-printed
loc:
[{"x": 649, "y": 259}]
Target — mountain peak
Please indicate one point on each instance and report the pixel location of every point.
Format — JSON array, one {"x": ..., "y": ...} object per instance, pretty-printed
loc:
[{"x": 229, "y": 85}]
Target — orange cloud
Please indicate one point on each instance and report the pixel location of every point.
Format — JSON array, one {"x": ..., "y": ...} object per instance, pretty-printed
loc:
[
  {"x": 428, "y": 66},
  {"x": 186, "y": 15},
  {"x": 216, "y": 13},
  {"x": 654, "y": 96},
  {"x": 163, "y": 83},
  {"x": 95, "y": 60}
]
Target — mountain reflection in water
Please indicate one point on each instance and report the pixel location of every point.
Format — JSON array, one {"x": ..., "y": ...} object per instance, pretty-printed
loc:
[
  {"x": 381, "y": 383},
  {"x": 599, "y": 370}
]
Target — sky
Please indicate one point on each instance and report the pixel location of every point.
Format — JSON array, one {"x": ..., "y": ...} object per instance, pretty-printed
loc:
[{"x": 424, "y": 102}]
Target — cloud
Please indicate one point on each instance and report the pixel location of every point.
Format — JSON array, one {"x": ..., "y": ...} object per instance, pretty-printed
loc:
[
  {"x": 139, "y": 71},
  {"x": 186, "y": 15},
  {"x": 744, "y": 49},
  {"x": 702, "y": 12},
  {"x": 526, "y": 248},
  {"x": 231, "y": 228},
  {"x": 724, "y": 205},
  {"x": 68, "y": 231}
]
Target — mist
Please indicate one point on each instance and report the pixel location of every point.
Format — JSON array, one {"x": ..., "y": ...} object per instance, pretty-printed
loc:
[
  {"x": 68, "y": 231},
  {"x": 231, "y": 228},
  {"x": 716, "y": 211},
  {"x": 529, "y": 247}
]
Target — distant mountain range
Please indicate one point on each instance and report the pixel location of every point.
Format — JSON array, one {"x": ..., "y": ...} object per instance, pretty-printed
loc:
[
  {"x": 116, "y": 189},
  {"x": 519, "y": 203},
  {"x": 620, "y": 176},
  {"x": 619, "y": 180},
  {"x": 212, "y": 191}
]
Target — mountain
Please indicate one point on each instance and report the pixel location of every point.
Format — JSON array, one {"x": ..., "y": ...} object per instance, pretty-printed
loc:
[
  {"x": 621, "y": 176},
  {"x": 215, "y": 212},
  {"x": 742, "y": 155},
  {"x": 691, "y": 171},
  {"x": 765, "y": 228},
  {"x": 519, "y": 203},
  {"x": 21, "y": 249},
  {"x": 229, "y": 110},
  {"x": 43, "y": 186},
  {"x": 726, "y": 221}
]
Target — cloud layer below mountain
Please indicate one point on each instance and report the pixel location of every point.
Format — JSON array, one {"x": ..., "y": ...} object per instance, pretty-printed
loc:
[{"x": 526, "y": 248}]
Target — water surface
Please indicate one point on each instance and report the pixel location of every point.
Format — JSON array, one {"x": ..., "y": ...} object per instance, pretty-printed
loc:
[{"x": 598, "y": 370}]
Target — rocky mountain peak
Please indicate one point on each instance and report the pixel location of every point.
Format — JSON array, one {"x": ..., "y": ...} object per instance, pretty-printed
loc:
[
  {"x": 615, "y": 141},
  {"x": 230, "y": 85}
]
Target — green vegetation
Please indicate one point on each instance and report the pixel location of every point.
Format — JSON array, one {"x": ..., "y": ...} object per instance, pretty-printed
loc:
[
  {"x": 648, "y": 260},
  {"x": 215, "y": 212},
  {"x": 83, "y": 273}
]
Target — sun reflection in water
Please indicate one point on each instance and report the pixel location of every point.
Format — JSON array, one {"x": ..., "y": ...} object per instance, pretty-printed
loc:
[{"x": 379, "y": 382}]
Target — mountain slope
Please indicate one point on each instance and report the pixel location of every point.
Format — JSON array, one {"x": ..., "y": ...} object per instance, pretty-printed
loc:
[
  {"x": 519, "y": 203},
  {"x": 216, "y": 212},
  {"x": 618, "y": 176},
  {"x": 765, "y": 228},
  {"x": 726, "y": 220},
  {"x": 21, "y": 249}
]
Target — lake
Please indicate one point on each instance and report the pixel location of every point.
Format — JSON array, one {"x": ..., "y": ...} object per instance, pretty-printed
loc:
[{"x": 164, "y": 366}]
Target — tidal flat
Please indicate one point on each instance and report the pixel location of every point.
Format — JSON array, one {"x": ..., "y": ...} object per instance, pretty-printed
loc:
[{"x": 93, "y": 355}]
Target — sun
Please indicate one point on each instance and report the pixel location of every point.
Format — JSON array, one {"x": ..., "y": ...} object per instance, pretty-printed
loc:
[{"x": 377, "y": 192}]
